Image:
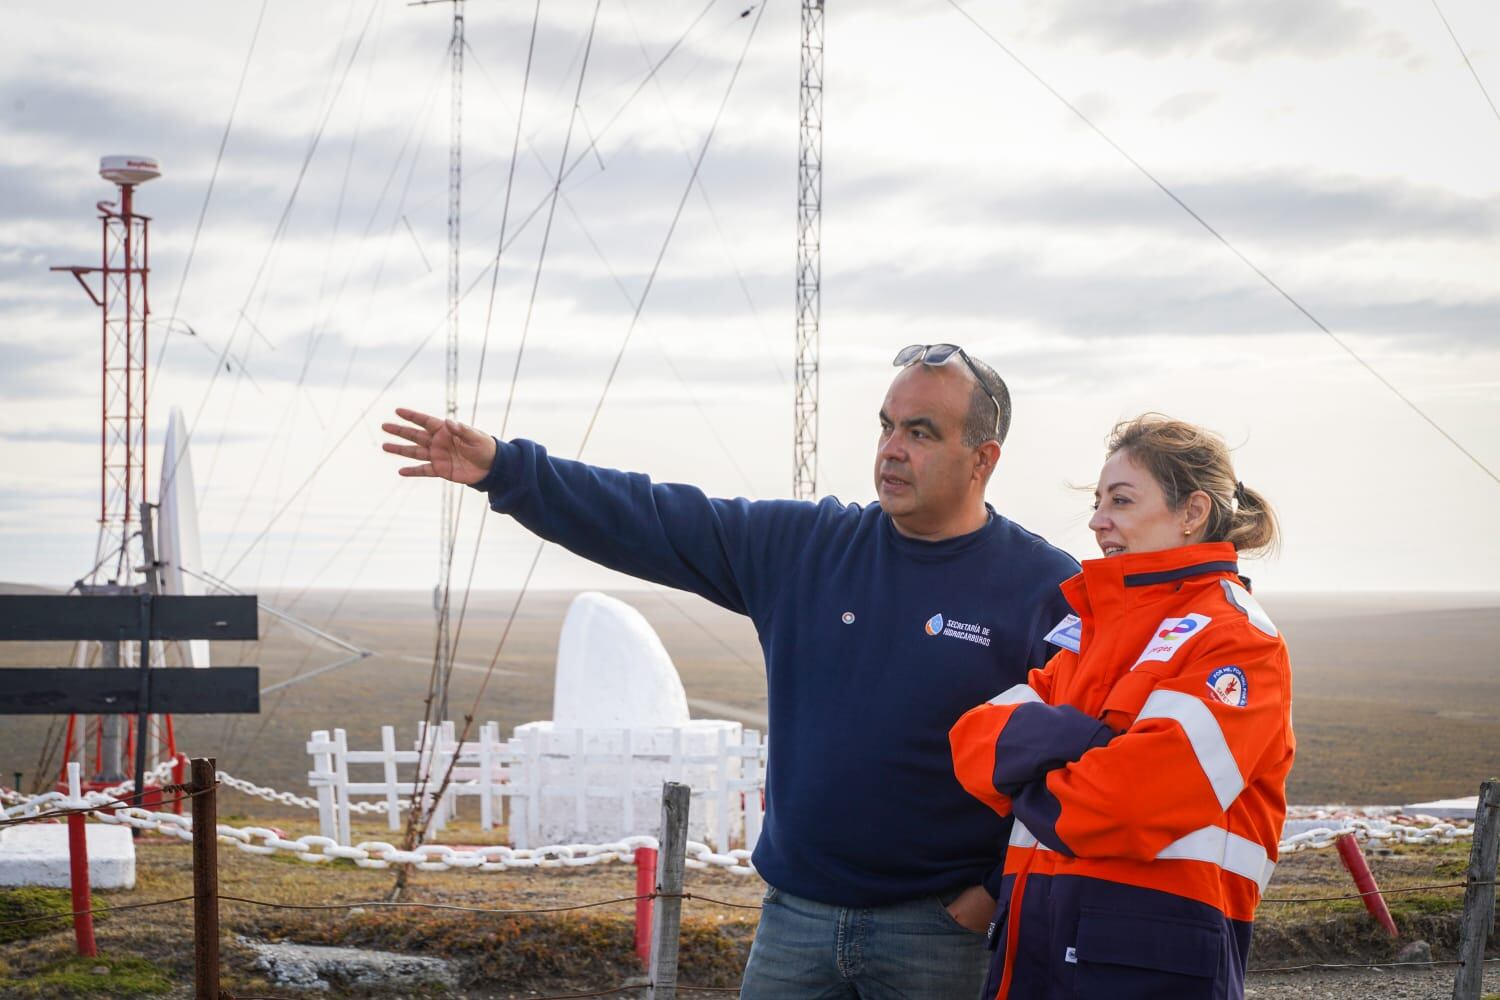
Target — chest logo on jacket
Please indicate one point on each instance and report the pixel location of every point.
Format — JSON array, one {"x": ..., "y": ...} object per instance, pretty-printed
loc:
[
  {"x": 967, "y": 631},
  {"x": 1170, "y": 636},
  {"x": 1067, "y": 634}
]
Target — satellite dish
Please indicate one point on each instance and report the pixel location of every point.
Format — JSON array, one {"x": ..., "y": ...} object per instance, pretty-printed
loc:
[
  {"x": 177, "y": 544},
  {"x": 129, "y": 169}
]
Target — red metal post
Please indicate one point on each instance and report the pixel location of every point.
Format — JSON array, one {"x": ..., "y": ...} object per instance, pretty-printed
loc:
[
  {"x": 645, "y": 885},
  {"x": 78, "y": 863},
  {"x": 1354, "y": 860}
]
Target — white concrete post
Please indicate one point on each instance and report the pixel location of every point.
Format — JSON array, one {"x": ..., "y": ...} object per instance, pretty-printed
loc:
[
  {"x": 320, "y": 776},
  {"x": 341, "y": 772},
  {"x": 392, "y": 781}
]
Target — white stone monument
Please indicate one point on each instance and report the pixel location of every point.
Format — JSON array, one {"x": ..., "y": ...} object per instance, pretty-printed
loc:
[{"x": 620, "y": 728}]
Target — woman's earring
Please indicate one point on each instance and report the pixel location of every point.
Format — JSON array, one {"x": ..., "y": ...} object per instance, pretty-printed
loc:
[{"x": 1186, "y": 532}]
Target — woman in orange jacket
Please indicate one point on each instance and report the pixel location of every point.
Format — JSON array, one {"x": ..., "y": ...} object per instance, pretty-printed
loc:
[{"x": 1145, "y": 766}]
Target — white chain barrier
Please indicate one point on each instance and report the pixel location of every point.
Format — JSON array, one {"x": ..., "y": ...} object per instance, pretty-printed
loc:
[
  {"x": 1377, "y": 825},
  {"x": 1370, "y": 825},
  {"x": 30, "y": 805},
  {"x": 316, "y": 849},
  {"x": 302, "y": 801}
]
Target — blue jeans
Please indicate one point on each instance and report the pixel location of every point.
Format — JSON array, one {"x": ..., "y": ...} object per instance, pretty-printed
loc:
[{"x": 805, "y": 950}]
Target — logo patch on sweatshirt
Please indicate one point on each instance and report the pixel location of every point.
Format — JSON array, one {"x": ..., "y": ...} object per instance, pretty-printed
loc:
[
  {"x": 1170, "y": 636},
  {"x": 1229, "y": 686},
  {"x": 1067, "y": 634},
  {"x": 938, "y": 625}
]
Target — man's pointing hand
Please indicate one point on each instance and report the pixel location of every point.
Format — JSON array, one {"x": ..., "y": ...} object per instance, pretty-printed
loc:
[{"x": 446, "y": 449}]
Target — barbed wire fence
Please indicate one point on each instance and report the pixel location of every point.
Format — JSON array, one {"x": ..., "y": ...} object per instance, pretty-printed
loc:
[{"x": 665, "y": 898}]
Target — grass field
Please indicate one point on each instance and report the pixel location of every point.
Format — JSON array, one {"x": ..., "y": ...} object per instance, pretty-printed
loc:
[
  {"x": 514, "y": 956},
  {"x": 1397, "y": 697}
]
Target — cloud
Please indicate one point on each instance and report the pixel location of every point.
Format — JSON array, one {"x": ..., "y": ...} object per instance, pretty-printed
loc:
[
  {"x": 1109, "y": 303},
  {"x": 1294, "y": 209},
  {"x": 1228, "y": 30},
  {"x": 1180, "y": 107}
]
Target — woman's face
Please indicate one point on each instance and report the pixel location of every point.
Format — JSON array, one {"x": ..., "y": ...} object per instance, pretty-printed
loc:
[{"x": 1131, "y": 513}]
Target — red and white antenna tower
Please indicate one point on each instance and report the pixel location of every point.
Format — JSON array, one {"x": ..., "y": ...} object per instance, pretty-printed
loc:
[{"x": 125, "y": 308}]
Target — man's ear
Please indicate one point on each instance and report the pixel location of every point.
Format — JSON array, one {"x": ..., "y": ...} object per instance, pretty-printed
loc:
[{"x": 987, "y": 456}]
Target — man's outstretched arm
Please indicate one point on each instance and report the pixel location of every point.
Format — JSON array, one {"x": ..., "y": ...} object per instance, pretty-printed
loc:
[
  {"x": 446, "y": 449},
  {"x": 732, "y": 552}
]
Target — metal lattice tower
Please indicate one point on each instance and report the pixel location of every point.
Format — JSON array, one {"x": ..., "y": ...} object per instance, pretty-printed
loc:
[
  {"x": 809, "y": 243},
  {"x": 125, "y": 309},
  {"x": 444, "y": 652}
]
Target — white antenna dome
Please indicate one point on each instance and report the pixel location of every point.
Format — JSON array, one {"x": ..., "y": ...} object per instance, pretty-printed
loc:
[{"x": 129, "y": 169}]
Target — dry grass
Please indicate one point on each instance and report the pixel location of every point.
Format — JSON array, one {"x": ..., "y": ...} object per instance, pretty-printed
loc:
[
  {"x": 573, "y": 951},
  {"x": 545, "y": 952}
]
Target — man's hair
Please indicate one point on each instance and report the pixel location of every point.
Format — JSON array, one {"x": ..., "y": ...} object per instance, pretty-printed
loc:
[{"x": 979, "y": 423}]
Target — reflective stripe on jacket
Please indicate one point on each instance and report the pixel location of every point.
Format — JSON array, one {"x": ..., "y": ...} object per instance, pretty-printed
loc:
[{"x": 1153, "y": 755}]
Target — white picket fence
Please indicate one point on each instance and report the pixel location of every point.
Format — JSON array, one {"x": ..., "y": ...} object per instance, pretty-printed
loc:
[{"x": 528, "y": 781}]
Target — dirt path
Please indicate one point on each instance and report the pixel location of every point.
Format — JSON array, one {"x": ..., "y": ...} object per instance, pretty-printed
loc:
[{"x": 1364, "y": 984}]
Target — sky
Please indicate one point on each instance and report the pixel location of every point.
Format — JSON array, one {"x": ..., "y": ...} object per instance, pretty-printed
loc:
[{"x": 1345, "y": 150}]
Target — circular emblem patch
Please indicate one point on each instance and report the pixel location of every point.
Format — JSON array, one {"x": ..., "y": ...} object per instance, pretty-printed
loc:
[
  {"x": 1228, "y": 685},
  {"x": 848, "y": 618}
]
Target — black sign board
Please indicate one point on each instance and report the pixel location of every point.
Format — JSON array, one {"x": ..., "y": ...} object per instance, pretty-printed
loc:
[
  {"x": 142, "y": 691},
  {"x": 108, "y": 691}
]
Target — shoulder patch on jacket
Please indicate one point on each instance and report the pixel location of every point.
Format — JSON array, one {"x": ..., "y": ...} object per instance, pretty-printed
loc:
[
  {"x": 1240, "y": 598},
  {"x": 1229, "y": 686},
  {"x": 1067, "y": 634}
]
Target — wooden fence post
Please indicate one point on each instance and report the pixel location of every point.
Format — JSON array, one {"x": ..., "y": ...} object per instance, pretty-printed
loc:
[
  {"x": 1479, "y": 896},
  {"x": 666, "y": 923},
  {"x": 205, "y": 880}
]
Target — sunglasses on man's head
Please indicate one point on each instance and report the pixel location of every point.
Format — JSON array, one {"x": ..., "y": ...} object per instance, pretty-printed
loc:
[{"x": 940, "y": 354}]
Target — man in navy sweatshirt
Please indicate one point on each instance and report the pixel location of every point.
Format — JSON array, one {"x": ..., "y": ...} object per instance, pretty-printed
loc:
[{"x": 880, "y": 624}]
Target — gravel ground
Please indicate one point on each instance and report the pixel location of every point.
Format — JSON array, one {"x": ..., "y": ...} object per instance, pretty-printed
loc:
[{"x": 1433, "y": 983}]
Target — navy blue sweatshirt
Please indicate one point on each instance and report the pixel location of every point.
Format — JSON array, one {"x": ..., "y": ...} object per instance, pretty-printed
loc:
[{"x": 874, "y": 644}]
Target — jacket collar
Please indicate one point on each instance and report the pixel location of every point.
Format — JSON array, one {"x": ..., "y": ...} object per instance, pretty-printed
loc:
[{"x": 1121, "y": 579}]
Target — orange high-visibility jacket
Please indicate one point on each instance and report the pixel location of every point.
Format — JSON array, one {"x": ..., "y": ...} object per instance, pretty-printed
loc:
[{"x": 1151, "y": 752}]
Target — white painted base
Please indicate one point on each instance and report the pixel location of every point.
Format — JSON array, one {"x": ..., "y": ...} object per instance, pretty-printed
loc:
[
  {"x": 37, "y": 854},
  {"x": 592, "y": 791},
  {"x": 1445, "y": 808}
]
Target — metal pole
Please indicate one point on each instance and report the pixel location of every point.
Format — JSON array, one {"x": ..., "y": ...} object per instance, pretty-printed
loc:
[
  {"x": 444, "y": 654},
  {"x": 111, "y": 727},
  {"x": 809, "y": 254},
  {"x": 1479, "y": 897},
  {"x": 143, "y": 712},
  {"x": 676, "y": 799},
  {"x": 205, "y": 880}
]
